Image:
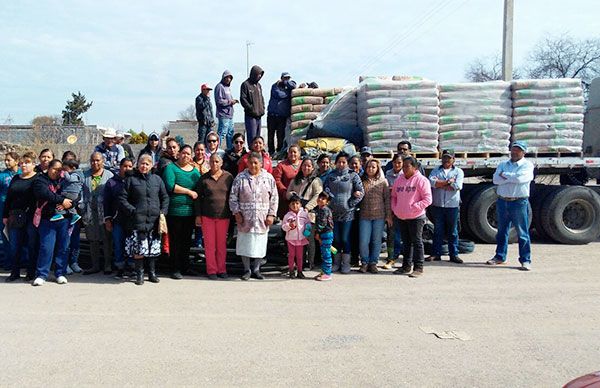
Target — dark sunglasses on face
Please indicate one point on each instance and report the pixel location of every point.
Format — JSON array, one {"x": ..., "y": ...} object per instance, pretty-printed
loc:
[
  {"x": 212, "y": 141},
  {"x": 239, "y": 142}
]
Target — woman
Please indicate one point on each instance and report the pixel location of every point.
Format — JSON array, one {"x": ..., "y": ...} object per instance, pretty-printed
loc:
[
  {"x": 258, "y": 145},
  {"x": 142, "y": 201},
  {"x": 11, "y": 160},
  {"x": 307, "y": 186},
  {"x": 200, "y": 160},
  {"x": 212, "y": 145},
  {"x": 153, "y": 148},
  {"x": 375, "y": 211},
  {"x": 394, "y": 238},
  {"x": 53, "y": 235},
  {"x": 92, "y": 210},
  {"x": 347, "y": 190},
  {"x": 253, "y": 202},
  {"x": 170, "y": 155},
  {"x": 45, "y": 157},
  {"x": 180, "y": 180},
  {"x": 75, "y": 239},
  {"x": 234, "y": 154},
  {"x": 324, "y": 163},
  {"x": 355, "y": 164},
  {"x": 18, "y": 218},
  {"x": 284, "y": 173},
  {"x": 213, "y": 215}
]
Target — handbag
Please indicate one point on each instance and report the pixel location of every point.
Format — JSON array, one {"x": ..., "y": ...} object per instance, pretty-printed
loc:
[
  {"x": 303, "y": 201},
  {"x": 37, "y": 216},
  {"x": 162, "y": 225},
  {"x": 17, "y": 218}
]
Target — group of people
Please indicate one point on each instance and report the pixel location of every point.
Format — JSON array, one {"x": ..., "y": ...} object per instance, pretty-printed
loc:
[{"x": 165, "y": 200}]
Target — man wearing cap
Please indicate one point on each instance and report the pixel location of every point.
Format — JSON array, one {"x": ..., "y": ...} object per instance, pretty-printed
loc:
[
  {"x": 513, "y": 178},
  {"x": 252, "y": 100},
  {"x": 279, "y": 110},
  {"x": 120, "y": 139},
  {"x": 204, "y": 112},
  {"x": 446, "y": 183},
  {"x": 112, "y": 152},
  {"x": 365, "y": 155},
  {"x": 404, "y": 148},
  {"x": 224, "y": 103}
]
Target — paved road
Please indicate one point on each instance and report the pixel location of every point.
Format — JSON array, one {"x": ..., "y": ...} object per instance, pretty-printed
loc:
[{"x": 528, "y": 329}]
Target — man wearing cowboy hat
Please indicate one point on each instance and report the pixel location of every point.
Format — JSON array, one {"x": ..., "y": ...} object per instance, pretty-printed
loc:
[
  {"x": 204, "y": 112},
  {"x": 112, "y": 152}
]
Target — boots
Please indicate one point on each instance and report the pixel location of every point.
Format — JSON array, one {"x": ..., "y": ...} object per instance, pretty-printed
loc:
[
  {"x": 336, "y": 262},
  {"x": 345, "y": 263},
  {"x": 152, "y": 270},
  {"x": 139, "y": 272}
]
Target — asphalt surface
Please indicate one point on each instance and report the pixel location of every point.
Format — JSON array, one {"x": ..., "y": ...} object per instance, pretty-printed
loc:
[{"x": 540, "y": 328}]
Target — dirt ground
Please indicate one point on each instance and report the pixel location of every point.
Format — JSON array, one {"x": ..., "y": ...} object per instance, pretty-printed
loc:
[{"x": 540, "y": 328}]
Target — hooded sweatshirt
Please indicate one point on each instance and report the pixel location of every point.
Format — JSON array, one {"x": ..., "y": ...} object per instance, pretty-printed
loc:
[
  {"x": 251, "y": 96},
  {"x": 281, "y": 98},
  {"x": 223, "y": 98},
  {"x": 410, "y": 197}
]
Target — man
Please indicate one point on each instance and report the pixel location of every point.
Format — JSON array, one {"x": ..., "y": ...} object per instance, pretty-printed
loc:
[
  {"x": 411, "y": 195},
  {"x": 279, "y": 110},
  {"x": 224, "y": 103},
  {"x": 446, "y": 183},
  {"x": 252, "y": 100},
  {"x": 365, "y": 155},
  {"x": 111, "y": 152},
  {"x": 404, "y": 148},
  {"x": 513, "y": 178},
  {"x": 204, "y": 112},
  {"x": 120, "y": 140}
]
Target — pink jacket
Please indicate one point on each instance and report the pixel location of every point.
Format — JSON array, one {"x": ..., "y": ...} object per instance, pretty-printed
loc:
[
  {"x": 295, "y": 236},
  {"x": 410, "y": 197}
]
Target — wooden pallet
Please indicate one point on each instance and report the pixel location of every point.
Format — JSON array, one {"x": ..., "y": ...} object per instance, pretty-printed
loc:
[
  {"x": 418, "y": 155},
  {"x": 479, "y": 155},
  {"x": 554, "y": 154}
]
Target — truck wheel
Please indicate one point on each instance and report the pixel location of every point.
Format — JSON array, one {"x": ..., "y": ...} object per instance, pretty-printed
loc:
[
  {"x": 482, "y": 216},
  {"x": 538, "y": 198},
  {"x": 575, "y": 177},
  {"x": 466, "y": 194},
  {"x": 570, "y": 215}
]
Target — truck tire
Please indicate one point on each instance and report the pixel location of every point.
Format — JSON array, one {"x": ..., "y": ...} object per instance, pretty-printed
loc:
[
  {"x": 570, "y": 215},
  {"x": 538, "y": 198},
  {"x": 466, "y": 194},
  {"x": 482, "y": 216}
]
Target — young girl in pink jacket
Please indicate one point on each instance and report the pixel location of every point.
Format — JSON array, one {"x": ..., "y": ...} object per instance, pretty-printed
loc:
[{"x": 294, "y": 223}]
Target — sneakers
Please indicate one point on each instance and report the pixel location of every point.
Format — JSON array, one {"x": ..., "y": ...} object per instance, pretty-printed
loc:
[
  {"x": 300, "y": 275},
  {"x": 76, "y": 268},
  {"x": 416, "y": 273},
  {"x": 176, "y": 275},
  {"x": 433, "y": 258},
  {"x": 69, "y": 270},
  {"x": 323, "y": 277},
  {"x": 363, "y": 268},
  {"x": 292, "y": 274},
  {"x": 389, "y": 264},
  {"x": 12, "y": 278},
  {"x": 246, "y": 275},
  {"x": 57, "y": 217},
  {"x": 526, "y": 266},
  {"x": 456, "y": 260},
  {"x": 405, "y": 270},
  {"x": 61, "y": 280},
  {"x": 38, "y": 282},
  {"x": 495, "y": 261},
  {"x": 373, "y": 268},
  {"x": 75, "y": 218}
]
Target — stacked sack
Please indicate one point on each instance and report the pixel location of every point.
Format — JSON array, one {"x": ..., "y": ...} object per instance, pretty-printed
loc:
[
  {"x": 475, "y": 117},
  {"x": 548, "y": 114},
  {"x": 307, "y": 103},
  {"x": 403, "y": 108}
]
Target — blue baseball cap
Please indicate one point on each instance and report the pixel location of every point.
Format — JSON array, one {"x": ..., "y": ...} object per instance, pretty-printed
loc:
[{"x": 519, "y": 144}]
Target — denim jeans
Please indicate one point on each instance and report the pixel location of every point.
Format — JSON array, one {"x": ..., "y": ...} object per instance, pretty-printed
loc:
[
  {"x": 74, "y": 244},
  {"x": 23, "y": 249},
  {"x": 6, "y": 259},
  {"x": 341, "y": 236},
  {"x": 118, "y": 235},
  {"x": 326, "y": 240},
  {"x": 370, "y": 237},
  {"x": 202, "y": 131},
  {"x": 53, "y": 236},
  {"x": 394, "y": 240},
  {"x": 515, "y": 213},
  {"x": 412, "y": 237},
  {"x": 225, "y": 132},
  {"x": 445, "y": 221},
  {"x": 252, "y": 127}
]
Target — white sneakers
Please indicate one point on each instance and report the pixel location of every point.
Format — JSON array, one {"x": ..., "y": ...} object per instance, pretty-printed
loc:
[
  {"x": 61, "y": 280},
  {"x": 38, "y": 282}
]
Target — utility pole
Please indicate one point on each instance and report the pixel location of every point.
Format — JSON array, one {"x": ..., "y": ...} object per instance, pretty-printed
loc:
[
  {"x": 248, "y": 44},
  {"x": 507, "y": 41}
]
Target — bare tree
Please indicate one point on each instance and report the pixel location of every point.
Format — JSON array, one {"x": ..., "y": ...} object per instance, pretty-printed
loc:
[
  {"x": 565, "y": 57},
  {"x": 188, "y": 113},
  {"x": 46, "y": 120},
  {"x": 487, "y": 69}
]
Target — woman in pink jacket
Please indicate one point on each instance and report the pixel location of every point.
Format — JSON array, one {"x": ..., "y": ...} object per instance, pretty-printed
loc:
[
  {"x": 294, "y": 224},
  {"x": 411, "y": 194}
]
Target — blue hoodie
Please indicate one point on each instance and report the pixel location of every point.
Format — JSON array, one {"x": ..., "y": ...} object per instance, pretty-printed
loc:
[
  {"x": 223, "y": 98},
  {"x": 281, "y": 98}
]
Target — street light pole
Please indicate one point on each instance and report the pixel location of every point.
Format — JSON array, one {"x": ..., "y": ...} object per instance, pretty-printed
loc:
[
  {"x": 507, "y": 41},
  {"x": 248, "y": 44}
]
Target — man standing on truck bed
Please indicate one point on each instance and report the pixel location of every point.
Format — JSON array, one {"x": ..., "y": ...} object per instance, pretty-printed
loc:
[
  {"x": 279, "y": 110},
  {"x": 224, "y": 103},
  {"x": 513, "y": 178},
  {"x": 252, "y": 100}
]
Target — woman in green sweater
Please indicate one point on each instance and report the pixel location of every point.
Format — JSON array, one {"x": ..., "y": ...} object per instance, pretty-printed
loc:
[{"x": 180, "y": 180}]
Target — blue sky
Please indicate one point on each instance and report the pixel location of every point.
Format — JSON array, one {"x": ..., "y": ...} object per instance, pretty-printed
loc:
[{"x": 142, "y": 62}]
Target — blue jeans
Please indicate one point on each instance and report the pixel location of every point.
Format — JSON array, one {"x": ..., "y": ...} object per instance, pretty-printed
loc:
[
  {"x": 370, "y": 237},
  {"x": 514, "y": 213},
  {"x": 225, "y": 131},
  {"x": 341, "y": 236},
  {"x": 118, "y": 235},
  {"x": 53, "y": 235},
  {"x": 394, "y": 240},
  {"x": 252, "y": 127},
  {"x": 445, "y": 221},
  {"x": 74, "y": 244},
  {"x": 326, "y": 240},
  {"x": 6, "y": 260},
  {"x": 23, "y": 249},
  {"x": 202, "y": 131}
]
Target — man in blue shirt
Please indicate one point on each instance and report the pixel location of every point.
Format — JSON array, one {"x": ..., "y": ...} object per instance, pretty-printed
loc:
[
  {"x": 446, "y": 183},
  {"x": 513, "y": 178}
]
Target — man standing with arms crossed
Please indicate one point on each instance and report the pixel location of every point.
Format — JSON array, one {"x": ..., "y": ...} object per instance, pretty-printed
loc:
[{"x": 513, "y": 178}]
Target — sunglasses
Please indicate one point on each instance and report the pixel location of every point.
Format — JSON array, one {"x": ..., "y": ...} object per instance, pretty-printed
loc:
[
  {"x": 239, "y": 142},
  {"x": 212, "y": 141},
  {"x": 402, "y": 149}
]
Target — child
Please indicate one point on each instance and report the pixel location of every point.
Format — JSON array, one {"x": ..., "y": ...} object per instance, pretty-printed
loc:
[
  {"x": 294, "y": 224},
  {"x": 72, "y": 185},
  {"x": 324, "y": 233}
]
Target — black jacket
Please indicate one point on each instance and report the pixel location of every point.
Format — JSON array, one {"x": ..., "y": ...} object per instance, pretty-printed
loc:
[
  {"x": 231, "y": 160},
  {"x": 142, "y": 200},
  {"x": 43, "y": 194},
  {"x": 204, "y": 111},
  {"x": 251, "y": 96}
]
